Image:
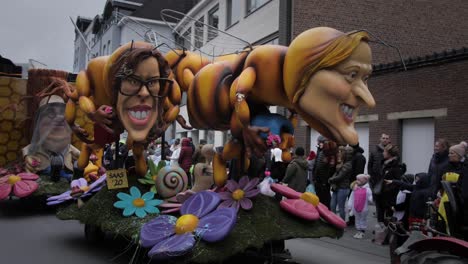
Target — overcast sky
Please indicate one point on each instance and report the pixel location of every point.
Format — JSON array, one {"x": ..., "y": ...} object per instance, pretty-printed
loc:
[{"x": 42, "y": 30}]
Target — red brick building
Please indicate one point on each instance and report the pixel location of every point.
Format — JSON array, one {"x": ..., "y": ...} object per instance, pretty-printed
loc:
[{"x": 415, "y": 106}]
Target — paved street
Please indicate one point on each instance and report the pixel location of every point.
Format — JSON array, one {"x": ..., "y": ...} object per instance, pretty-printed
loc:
[
  {"x": 326, "y": 250},
  {"x": 40, "y": 238}
]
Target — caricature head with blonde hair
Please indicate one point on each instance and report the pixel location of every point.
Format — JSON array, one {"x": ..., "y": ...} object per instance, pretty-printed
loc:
[{"x": 325, "y": 77}]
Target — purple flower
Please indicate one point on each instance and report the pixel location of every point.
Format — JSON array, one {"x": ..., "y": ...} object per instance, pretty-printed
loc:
[
  {"x": 79, "y": 189},
  {"x": 174, "y": 204},
  {"x": 239, "y": 194},
  {"x": 168, "y": 236}
]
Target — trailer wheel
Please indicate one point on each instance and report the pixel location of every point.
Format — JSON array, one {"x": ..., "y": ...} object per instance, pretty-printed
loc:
[{"x": 428, "y": 257}]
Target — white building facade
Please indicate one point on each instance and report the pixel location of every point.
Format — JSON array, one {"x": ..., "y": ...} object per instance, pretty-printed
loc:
[{"x": 254, "y": 21}]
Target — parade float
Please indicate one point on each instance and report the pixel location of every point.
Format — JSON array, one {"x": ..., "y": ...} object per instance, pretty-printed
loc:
[
  {"x": 321, "y": 77},
  {"x": 37, "y": 149}
]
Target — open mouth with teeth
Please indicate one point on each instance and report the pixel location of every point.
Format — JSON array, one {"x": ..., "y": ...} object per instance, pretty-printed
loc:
[
  {"x": 139, "y": 115},
  {"x": 348, "y": 112}
]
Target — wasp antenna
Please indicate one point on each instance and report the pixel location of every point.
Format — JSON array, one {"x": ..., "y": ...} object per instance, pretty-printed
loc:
[
  {"x": 168, "y": 46},
  {"x": 380, "y": 41}
]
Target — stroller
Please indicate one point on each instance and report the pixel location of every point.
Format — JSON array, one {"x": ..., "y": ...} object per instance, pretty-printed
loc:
[{"x": 426, "y": 241}]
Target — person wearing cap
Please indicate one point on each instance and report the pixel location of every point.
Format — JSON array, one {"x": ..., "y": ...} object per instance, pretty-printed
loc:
[
  {"x": 454, "y": 169},
  {"x": 358, "y": 201},
  {"x": 452, "y": 174},
  {"x": 50, "y": 150}
]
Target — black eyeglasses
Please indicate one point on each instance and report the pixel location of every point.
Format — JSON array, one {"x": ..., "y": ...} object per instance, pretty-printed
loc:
[
  {"x": 134, "y": 84},
  {"x": 52, "y": 111}
]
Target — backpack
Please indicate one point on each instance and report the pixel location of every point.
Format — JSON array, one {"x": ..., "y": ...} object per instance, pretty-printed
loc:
[{"x": 360, "y": 197}]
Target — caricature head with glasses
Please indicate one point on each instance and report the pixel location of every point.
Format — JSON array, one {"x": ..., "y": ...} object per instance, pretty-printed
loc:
[{"x": 141, "y": 78}]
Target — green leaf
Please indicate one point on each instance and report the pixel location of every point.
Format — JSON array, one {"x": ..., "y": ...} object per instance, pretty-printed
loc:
[
  {"x": 146, "y": 181},
  {"x": 153, "y": 168},
  {"x": 161, "y": 165},
  {"x": 141, "y": 181},
  {"x": 153, "y": 189}
]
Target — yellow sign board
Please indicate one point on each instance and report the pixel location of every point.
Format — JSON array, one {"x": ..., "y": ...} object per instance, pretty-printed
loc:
[{"x": 117, "y": 179}]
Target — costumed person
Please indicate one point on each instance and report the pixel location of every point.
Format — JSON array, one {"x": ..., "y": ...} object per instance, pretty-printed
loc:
[
  {"x": 50, "y": 151},
  {"x": 203, "y": 172},
  {"x": 296, "y": 172},
  {"x": 358, "y": 203}
]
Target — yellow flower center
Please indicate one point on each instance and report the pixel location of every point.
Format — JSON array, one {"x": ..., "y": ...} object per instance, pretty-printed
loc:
[
  {"x": 310, "y": 198},
  {"x": 13, "y": 179},
  {"x": 138, "y": 202},
  {"x": 186, "y": 223},
  {"x": 84, "y": 188},
  {"x": 238, "y": 194}
]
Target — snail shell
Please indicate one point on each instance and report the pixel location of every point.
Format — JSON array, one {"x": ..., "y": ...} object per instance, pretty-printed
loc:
[{"x": 170, "y": 181}]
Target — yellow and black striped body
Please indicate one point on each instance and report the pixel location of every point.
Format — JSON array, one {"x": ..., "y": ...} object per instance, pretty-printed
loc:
[{"x": 208, "y": 103}]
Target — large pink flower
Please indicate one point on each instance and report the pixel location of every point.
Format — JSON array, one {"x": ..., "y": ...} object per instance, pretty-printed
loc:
[
  {"x": 23, "y": 184},
  {"x": 239, "y": 194}
]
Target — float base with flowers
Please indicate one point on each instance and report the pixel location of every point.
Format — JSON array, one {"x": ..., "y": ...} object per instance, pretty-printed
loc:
[
  {"x": 207, "y": 228},
  {"x": 15, "y": 182}
]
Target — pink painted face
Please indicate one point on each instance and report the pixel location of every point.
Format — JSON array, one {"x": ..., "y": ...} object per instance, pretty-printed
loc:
[
  {"x": 138, "y": 113},
  {"x": 334, "y": 96}
]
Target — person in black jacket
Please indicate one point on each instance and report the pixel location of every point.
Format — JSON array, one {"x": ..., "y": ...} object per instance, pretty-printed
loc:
[
  {"x": 392, "y": 170},
  {"x": 324, "y": 168},
  {"x": 438, "y": 164},
  {"x": 374, "y": 166},
  {"x": 359, "y": 162}
]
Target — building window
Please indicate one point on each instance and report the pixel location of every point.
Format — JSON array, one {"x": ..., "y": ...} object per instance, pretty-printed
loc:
[
  {"x": 233, "y": 12},
  {"x": 199, "y": 30},
  {"x": 273, "y": 41},
  {"x": 187, "y": 38},
  {"x": 179, "y": 40},
  {"x": 253, "y": 5},
  {"x": 213, "y": 19}
]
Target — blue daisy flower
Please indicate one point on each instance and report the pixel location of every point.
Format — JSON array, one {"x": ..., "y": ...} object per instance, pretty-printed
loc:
[{"x": 137, "y": 204}]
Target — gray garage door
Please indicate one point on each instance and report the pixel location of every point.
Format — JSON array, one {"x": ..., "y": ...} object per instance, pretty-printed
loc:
[{"x": 417, "y": 143}]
